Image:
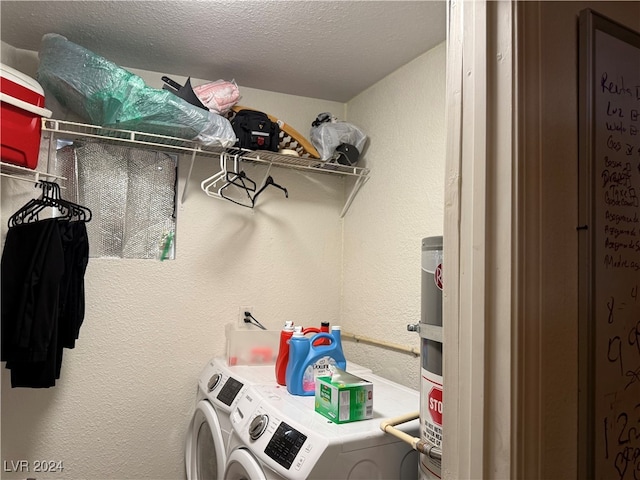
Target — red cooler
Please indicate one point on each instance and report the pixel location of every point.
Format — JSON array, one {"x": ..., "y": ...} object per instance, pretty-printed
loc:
[{"x": 22, "y": 109}]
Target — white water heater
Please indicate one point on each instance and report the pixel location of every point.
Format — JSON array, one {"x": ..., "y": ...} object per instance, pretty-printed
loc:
[{"x": 430, "y": 329}]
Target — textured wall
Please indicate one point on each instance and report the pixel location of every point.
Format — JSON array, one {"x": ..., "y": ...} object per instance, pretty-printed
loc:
[
  {"x": 123, "y": 404},
  {"x": 401, "y": 203}
]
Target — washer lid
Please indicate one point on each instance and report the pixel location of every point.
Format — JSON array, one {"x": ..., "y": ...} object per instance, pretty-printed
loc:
[
  {"x": 242, "y": 465},
  {"x": 204, "y": 453}
]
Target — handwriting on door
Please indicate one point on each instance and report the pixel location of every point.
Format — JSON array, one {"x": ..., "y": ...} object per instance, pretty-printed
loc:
[
  {"x": 618, "y": 238},
  {"x": 622, "y": 428},
  {"x": 620, "y": 174}
]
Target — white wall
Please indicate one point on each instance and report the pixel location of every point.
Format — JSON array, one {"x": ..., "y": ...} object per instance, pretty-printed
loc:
[
  {"x": 123, "y": 404},
  {"x": 401, "y": 203}
]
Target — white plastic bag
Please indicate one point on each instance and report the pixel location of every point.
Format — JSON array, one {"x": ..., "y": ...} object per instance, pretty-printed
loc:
[{"x": 327, "y": 136}]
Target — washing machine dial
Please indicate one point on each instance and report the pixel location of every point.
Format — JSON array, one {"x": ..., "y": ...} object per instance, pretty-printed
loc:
[
  {"x": 213, "y": 381},
  {"x": 258, "y": 425}
]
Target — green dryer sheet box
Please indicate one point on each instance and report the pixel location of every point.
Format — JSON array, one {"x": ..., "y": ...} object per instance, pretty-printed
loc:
[{"x": 343, "y": 397}]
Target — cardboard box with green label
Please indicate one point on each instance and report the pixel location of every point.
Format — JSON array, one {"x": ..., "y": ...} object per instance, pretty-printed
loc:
[{"x": 343, "y": 397}]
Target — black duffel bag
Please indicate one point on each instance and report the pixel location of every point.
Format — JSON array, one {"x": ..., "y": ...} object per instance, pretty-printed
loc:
[{"x": 255, "y": 131}]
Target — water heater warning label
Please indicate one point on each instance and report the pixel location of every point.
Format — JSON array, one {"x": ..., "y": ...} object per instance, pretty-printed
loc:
[
  {"x": 435, "y": 404},
  {"x": 431, "y": 408},
  {"x": 431, "y": 421},
  {"x": 433, "y": 434}
]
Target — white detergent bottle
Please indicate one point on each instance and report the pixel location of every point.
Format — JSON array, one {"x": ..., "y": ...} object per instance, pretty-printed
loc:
[{"x": 307, "y": 361}]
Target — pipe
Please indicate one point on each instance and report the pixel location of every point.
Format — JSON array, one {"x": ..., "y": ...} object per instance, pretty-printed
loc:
[
  {"x": 379, "y": 343},
  {"x": 388, "y": 426}
]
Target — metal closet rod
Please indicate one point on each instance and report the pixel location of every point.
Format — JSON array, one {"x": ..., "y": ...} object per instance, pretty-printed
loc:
[{"x": 379, "y": 343}]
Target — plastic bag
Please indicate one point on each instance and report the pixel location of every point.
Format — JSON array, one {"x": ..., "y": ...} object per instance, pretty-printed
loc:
[
  {"x": 329, "y": 135},
  {"x": 218, "y": 96},
  {"x": 102, "y": 93}
]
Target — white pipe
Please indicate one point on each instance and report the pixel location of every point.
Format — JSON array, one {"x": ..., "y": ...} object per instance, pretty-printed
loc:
[
  {"x": 388, "y": 426},
  {"x": 379, "y": 343}
]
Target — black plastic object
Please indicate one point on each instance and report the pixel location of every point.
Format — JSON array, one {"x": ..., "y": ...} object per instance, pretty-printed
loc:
[
  {"x": 321, "y": 118},
  {"x": 347, "y": 154},
  {"x": 185, "y": 92}
]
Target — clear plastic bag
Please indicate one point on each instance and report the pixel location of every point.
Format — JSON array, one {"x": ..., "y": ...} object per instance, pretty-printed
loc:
[
  {"x": 102, "y": 93},
  {"x": 327, "y": 136}
]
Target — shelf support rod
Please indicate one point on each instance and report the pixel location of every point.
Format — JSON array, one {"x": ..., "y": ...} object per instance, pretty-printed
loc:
[
  {"x": 186, "y": 184},
  {"x": 356, "y": 187}
]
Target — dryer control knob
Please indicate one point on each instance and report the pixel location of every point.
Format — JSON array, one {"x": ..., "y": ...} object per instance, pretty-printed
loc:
[
  {"x": 258, "y": 426},
  {"x": 213, "y": 381}
]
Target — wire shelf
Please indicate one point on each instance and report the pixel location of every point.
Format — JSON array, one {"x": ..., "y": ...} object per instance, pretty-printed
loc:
[
  {"x": 73, "y": 130},
  {"x": 25, "y": 174}
]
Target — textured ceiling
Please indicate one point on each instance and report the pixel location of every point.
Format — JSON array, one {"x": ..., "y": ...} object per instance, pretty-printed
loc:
[{"x": 331, "y": 50}]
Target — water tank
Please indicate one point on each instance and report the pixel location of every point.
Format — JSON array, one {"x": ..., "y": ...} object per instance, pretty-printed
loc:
[{"x": 431, "y": 354}]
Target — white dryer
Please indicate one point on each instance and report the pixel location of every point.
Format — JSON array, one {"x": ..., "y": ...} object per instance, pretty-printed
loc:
[
  {"x": 280, "y": 436},
  {"x": 220, "y": 386}
]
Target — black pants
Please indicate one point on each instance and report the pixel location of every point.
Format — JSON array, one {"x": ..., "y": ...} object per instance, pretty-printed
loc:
[{"x": 43, "y": 266}]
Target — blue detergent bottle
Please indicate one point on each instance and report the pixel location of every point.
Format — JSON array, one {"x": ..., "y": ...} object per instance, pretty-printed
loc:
[{"x": 306, "y": 360}]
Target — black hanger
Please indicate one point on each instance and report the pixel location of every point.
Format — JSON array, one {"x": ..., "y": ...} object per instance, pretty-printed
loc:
[
  {"x": 51, "y": 197},
  {"x": 248, "y": 186},
  {"x": 75, "y": 211},
  {"x": 244, "y": 183},
  {"x": 269, "y": 181}
]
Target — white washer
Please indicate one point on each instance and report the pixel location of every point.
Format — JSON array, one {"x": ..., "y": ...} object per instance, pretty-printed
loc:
[
  {"x": 220, "y": 386},
  {"x": 279, "y": 436}
]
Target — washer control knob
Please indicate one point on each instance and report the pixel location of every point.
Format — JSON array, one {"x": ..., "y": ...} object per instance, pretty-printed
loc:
[
  {"x": 213, "y": 381},
  {"x": 258, "y": 425}
]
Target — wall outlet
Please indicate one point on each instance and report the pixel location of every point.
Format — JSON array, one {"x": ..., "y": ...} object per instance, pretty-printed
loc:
[{"x": 242, "y": 325}]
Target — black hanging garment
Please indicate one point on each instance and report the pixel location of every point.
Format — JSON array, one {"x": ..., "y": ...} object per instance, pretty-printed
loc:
[{"x": 42, "y": 287}]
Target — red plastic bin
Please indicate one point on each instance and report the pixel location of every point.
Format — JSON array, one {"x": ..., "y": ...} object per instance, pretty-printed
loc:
[{"x": 22, "y": 100}]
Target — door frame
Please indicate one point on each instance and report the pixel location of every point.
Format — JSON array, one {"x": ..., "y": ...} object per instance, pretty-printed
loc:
[{"x": 484, "y": 208}]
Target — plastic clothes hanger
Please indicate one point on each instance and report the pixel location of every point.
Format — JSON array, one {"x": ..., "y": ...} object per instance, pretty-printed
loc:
[
  {"x": 244, "y": 183},
  {"x": 267, "y": 182},
  {"x": 208, "y": 184},
  {"x": 74, "y": 211},
  {"x": 51, "y": 198},
  {"x": 236, "y": 181},
  {"x": 224, "y": 168}
]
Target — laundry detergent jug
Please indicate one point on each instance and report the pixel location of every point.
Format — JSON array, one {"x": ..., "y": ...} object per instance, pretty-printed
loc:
[
  {"x": 307, "y": 360},
  {"x": 283, "y": 352}
]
